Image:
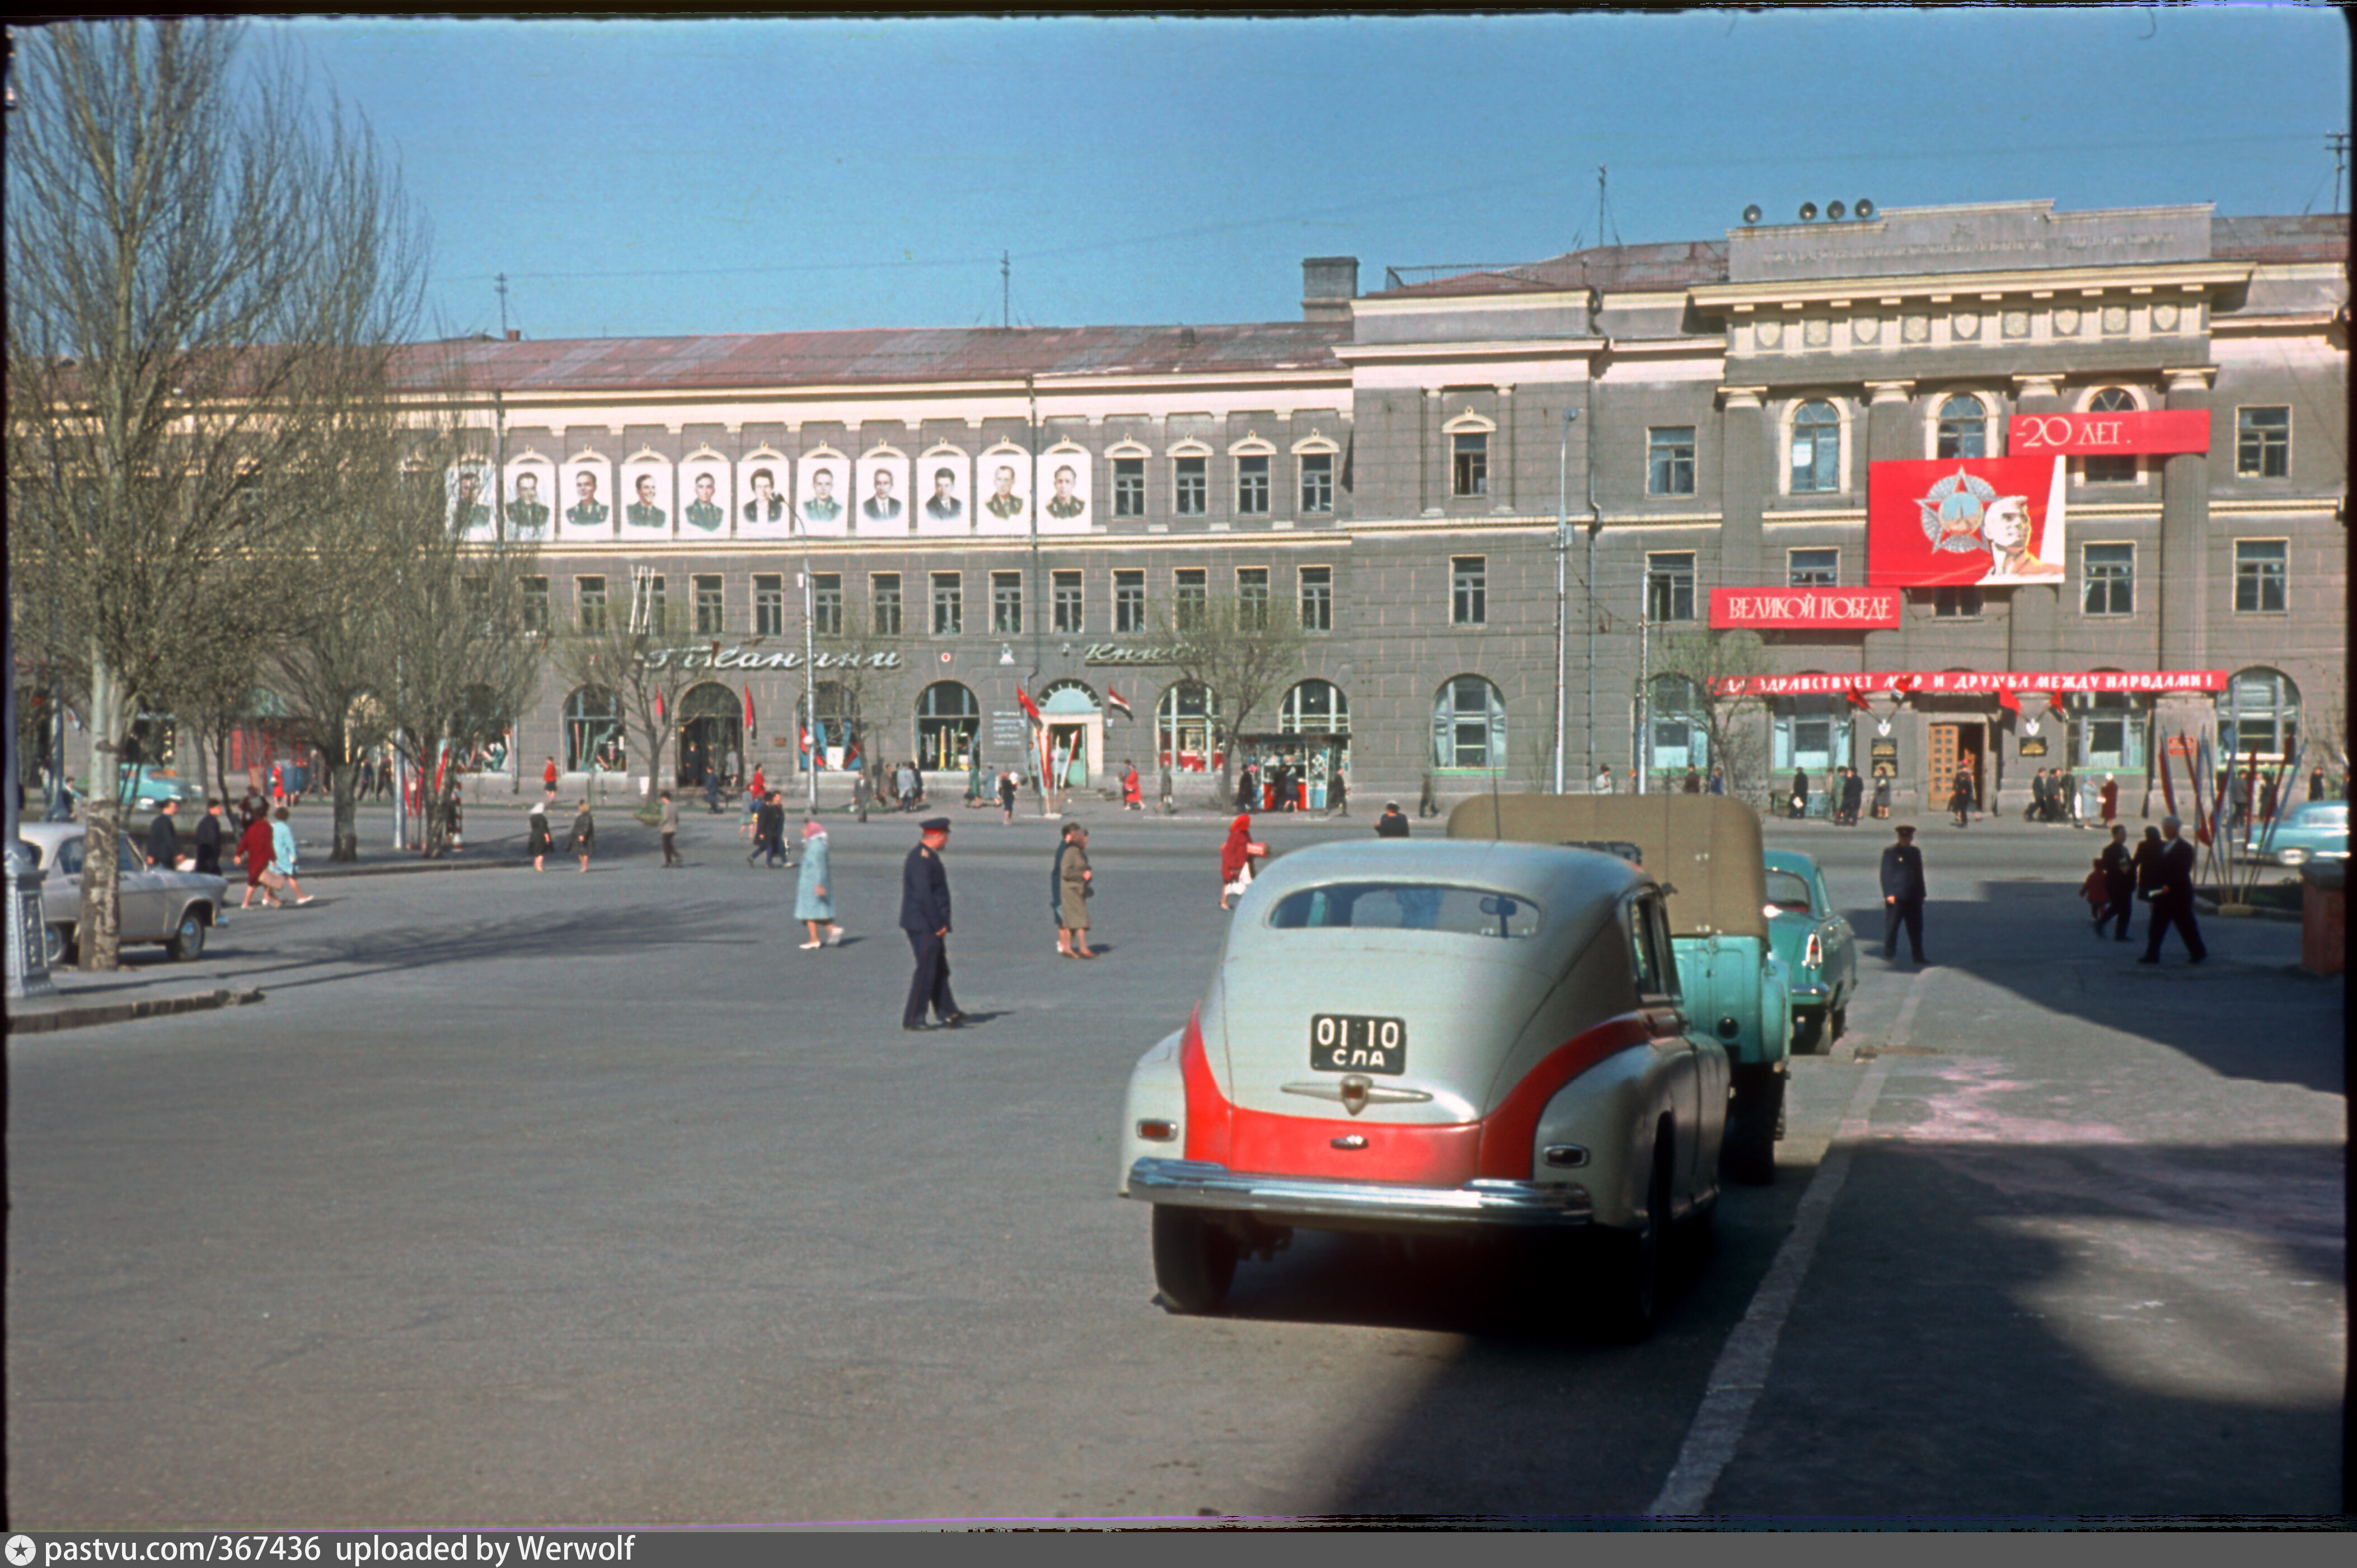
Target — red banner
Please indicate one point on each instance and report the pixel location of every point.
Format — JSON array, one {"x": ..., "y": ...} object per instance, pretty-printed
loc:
[
  {"x": 1776, "y": 610},
  {"x": 2132, "y": 431},
  {"x": 1964, "y": 522},
  {"x": 1970, "y": 682}
]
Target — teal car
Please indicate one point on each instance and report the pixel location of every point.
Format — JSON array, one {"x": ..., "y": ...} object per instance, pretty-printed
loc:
[
  {"x": 2313, "y": 830},
  {"x": 1816, "y": 943}
]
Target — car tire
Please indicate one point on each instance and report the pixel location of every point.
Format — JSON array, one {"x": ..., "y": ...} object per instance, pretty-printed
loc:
[
  {"x": 189, "y": 939},
  {"x": 1627, "y": 1297},
  {"x": 1809, "y": 1033},
  {"x": 1840, "y": 1021},
  {"x": 1194, "y": 1261},
  {"x": 59, "y": 948},
  {"x": 1755, "y": 1113}
]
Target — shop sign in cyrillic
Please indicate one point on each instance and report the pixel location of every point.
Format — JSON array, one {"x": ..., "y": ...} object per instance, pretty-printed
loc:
[{"x": 752, "y": 659}]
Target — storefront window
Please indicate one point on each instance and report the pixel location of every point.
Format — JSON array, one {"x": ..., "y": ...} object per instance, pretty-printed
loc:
[
  {"x": 2110, "y": 733},
  {"x": 948, "y": 718},
  {"x": 1182, "y": 727},
  {"x": 1809, "y": 735},
  {"x": 1679, "y": 732},
  {"x": 593, "y": 731}
]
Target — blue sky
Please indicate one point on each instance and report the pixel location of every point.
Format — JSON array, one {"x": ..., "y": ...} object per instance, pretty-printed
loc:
[{"x": 660, "y": 177}]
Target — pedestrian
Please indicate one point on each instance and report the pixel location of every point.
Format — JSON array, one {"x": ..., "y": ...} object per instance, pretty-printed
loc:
[
  {"x": 254, "y": 850},
  {"x": 1236, "y": 858},
  {"x": 584, "y": 835},
  {"x": 1693, "y": 784},
  {"x": 2238, "y": 798},
  {"x": 1800, "y": 791},
  {"x": 2119, "y": 883},
  {"x": 548, "y": 775},
  {"x": 1248, "y": 788},
  {"x": 163, "y": 839},
  {"x": 1006, "y": 797},
  {"x": 1882, "y": 796},
  {"x": 2268, "y": 801},
  {"x": 1077, "y": 888},
  {"x": 1393, "y": 823},
  {"x": 1339, "y": 792},
  {"x": 2316, "y": 782},
  {"x": 278, "y": 784},
  {"x": 1056, "y": 890},
  {"x": 1718, "y": 785},
  {"x": 1903, "y": 894},
  {"x": 2073, "y": 811},
  {"x": 749, "y": 827},
  {"x": 2109, "y": 795},
  {"x": 2036, "y": 809},
  {"x": 250, "y": 810},
  {"x": 282, "y": 856},
  {"x": 1428, "y": 805},
  {"x": 1133, "y": 793},
  {"x": 537, "y": 840},
  {"x": 732, "y": 774},
  {"x": 760, "y": 783},
  {"x": 906, "y": 777},
  {"x": 862, "y": 792},
  {"x": 2096, "y": 893},
  {"x": 2172, "y": 896},
  {"x": 711, "y": 789},
  {"x": 769, "y": 832},
  {"x": 815, "y": 894},
  {"x": 925, "y": 916},
  {"x": 668, "y": 825},
  {"x": 1853, "y": 795},
  {"x": 209, "y": 839},
  {"x": 916, "y": 783},
  {"x": 1602, "y": 785},
  {"x": 1960, "y": 797}
]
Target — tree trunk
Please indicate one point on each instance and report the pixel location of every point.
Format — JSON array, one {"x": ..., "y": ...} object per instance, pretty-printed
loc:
[
  {"x": 100, "y": 922},
  {"x": 344, "y": 842}
]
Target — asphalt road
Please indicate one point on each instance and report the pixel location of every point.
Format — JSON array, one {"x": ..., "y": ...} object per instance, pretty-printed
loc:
[{"x": 563, "y": 1199}]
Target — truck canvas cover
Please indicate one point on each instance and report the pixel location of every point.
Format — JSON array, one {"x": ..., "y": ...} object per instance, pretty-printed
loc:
[{"x": 1704, "y": 849}]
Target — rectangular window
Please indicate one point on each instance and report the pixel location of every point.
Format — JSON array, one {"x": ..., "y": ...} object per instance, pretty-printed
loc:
[
  {"x": 1670, "y": 585},
  {"x": 1129, "y": 601},
  {"x": 1469, "y": 590},
  {"x": 1469, "y": 469},
  {"x": 710, "y": 615},
  {"x": 1670, "y": 460},
  {"x": 1007, "y": 602},
  {"x": 826, "y": 603},
  {"x": 590, "y": 593},
  {"x": 949, "y": 605},
  {"x": 769, "y": 605},
  {"x": 1318, "y": 483},
  {"x": 2263, "y": 442},
  {"x": 1194, "y": 486},
  {"x": 2111, "y": 470},
  {"x": 1814, "y": 568},
  {"x": 1251, "y": 597},
  {"x": 1252, "y": 486},
  {"x": 1318, "y": 598},
  {"x": 1071, "y": 608},
  {"x": 1129, "y": 486},
  {"x": 535, "y": 602},
  {"x": 1193, "y": 596},
  {"x": 884, "y": 602},
  {"x": 2259, "y": 574},
  {"x": 1964, "y": 603},
  {"x": 2109, "y": 571}
]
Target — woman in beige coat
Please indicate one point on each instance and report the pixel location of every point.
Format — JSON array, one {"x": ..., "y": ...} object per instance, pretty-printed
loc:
[{"x": 1073, "y": 907}]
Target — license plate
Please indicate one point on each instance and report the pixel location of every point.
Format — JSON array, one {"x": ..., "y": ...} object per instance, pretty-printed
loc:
[{"x": 1348, "y": 1042}]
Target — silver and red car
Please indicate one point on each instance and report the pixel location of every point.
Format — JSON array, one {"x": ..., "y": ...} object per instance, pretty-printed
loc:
[
  {"x": 1415, "y": 1038},
  {"x": 177, "y": 909}
]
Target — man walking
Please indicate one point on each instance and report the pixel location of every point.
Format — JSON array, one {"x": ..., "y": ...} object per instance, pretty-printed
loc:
[
  {"x": 2119, "y": 883},
  {"x": 163, "y": 840},
  {"x": 2172, "y": 900},
  {"x": 1903, "y": 894},
  {"x": 925, "y": 916},
  {"x": 209, "y": 839},
  {"x": 1393, "y": 823},
  {"x": 670, "y": 826},
  {"x": 1853, "y": 795}
]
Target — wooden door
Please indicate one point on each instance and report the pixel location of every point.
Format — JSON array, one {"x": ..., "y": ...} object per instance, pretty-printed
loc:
[{"x": 1941, "y": 762}]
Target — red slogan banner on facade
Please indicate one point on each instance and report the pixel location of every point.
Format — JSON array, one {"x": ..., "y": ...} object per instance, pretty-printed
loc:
[
  {"x": 1776, "y": 610},
  {"x": 2127, "y": 433},
  {"x": 1967, "y": 682},
  {"x": 1964, "y": 522}
]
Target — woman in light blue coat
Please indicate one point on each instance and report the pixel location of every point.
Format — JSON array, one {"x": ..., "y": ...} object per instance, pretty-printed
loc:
[
  {"x": 281, "y": 853},
  {"x": 815, "y": 894}
]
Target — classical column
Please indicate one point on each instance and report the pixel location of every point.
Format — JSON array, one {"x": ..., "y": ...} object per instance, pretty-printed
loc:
[
  {"x": 1745, "y": 480},
  {"x": 2185, "y": 535}
]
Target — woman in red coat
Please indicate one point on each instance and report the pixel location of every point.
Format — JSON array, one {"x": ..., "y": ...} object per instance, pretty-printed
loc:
[
  {"x": 1236, "y": 860},
  {"x": 2110, "y": 794},
  {"x": 254, "y": 849}
]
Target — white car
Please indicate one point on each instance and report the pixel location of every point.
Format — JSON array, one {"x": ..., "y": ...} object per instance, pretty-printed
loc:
[{"x": 176, "y": 908}]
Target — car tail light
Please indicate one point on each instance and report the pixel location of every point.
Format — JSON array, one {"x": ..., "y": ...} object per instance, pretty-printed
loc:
[
  {"x": 1815, "y": 954},
  {"x": 1154, "y": 1132}
]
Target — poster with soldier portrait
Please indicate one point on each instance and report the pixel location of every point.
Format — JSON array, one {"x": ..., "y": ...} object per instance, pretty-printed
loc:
[
  {"x": 586, "y": 494},
  {"x": 703, "y": 496},
  {"x": 532, "y": 483},
  {"x": 764, "y": 496},
  {"x": 1062, "y": 483},
  {"x": 646, "y": 496},
  {"x": 944, "y": 477},
  {"x": 1005, "y": 505},
  {"x": 822, "y": 483},
  {"x": 467, "y": 501},
  {"x": 882, "y": 479}
]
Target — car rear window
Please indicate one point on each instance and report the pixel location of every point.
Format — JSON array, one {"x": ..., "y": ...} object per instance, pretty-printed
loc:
[
  {"x": 1788, "y": 890},
  {"x": 1409, "y": 906}
]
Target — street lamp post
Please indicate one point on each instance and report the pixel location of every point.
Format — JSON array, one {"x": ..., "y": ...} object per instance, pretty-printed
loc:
[{"x": 1562, "y": 594}]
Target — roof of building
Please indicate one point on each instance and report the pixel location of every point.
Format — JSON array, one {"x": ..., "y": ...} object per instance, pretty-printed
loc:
[{"x": 2280, "y": 240}]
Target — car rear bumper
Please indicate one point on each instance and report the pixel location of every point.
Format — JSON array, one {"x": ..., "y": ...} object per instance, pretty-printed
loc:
[
  {"x": 1202, "y": 1184},
  {"x": 1811, "y": 995}
]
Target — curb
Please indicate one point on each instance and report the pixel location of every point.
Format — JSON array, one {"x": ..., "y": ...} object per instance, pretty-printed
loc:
[{"x": 80, "y": 1015}]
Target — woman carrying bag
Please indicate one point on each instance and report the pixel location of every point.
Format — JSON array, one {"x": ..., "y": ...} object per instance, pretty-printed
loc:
[{"x": 1236, "y": 858}]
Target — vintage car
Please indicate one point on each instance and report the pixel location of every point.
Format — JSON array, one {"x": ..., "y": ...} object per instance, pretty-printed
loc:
[
  {"x": 1817, "y": 946},
  {"x": 176, "y": 908},
  {"x": 1415, "y": 1038},
  {"x": 2313, "y": 830},
  {"x": 1706, "y": 853}
]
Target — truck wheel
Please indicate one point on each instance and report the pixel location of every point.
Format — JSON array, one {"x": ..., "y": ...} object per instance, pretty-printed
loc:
[
  {"x": 1841, "y": 1022},
  {"x": 1748, "y": 1152},
  {"x": 1809, "y": 1033},
  {"x": 1194, "y": 1261}
]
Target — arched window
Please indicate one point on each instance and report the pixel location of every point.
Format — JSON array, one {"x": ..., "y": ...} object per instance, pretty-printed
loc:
[
  {"x": 1468, "y": 724},
  {"x": 1069, "y": 696},
  {"x": 1816, "y": 448},
  {"x": 2258, "y": 715},
  {"x": 948, "y": 718},
  {"x": 593, "y": 731},
  {"x": 1679, "y": 730},
  {"x": 482, "y": 732},
  {"x": 838, "y": 723},
  {"x": 2118, "y": 470},
  {"x": 1963, "y": 428},
  {"x": 1182, "y": 727},
  {"x": 711, "y": 728},
  {"x": 1314, "y": 707}
]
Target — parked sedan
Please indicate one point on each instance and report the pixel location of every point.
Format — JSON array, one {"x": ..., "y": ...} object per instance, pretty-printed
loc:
[
  {"x": 2313, "y": 830},
  {"x": 1469, "y": 1037},
  {"x": 176, "y": 908},
  {"x": 1816, "y": 943}
]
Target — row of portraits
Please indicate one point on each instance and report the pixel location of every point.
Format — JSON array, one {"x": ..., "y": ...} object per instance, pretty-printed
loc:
[{"x": 885, "y": 494}]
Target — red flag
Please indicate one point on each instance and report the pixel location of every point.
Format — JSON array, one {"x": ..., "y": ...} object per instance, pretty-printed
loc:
[
  {"x": 2168, "y": 785},
  {"x": 1857, "y": 700},
  {"x": 749, "y": 726},
  {"x": 2054, "y": 705},
  {"x": 658, "y": 707},
  {"x": 1030, "y": 707},
  {"x": 1113, "y": 700},
  {"x": 2008, "y": 702}
]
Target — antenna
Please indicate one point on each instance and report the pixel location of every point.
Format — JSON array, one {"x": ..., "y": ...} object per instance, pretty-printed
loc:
[
  {"x": 1005, "y": 274},
  {"x": 501, "y": 283},
  {"x": 2337, "y": 144}
]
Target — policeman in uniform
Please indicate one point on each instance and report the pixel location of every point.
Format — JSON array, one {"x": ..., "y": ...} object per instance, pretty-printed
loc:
[{"x": 925, "y": 916}]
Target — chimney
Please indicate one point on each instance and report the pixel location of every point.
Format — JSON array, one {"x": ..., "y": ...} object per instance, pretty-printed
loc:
[
  {"x": 1329, "y": 284},
  {"x": 515, "y": 334}
]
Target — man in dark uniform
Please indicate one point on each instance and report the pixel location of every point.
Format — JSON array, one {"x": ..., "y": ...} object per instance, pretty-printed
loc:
[
  {"x": 2172, "y": 900},
  {"x": 209, "y": 839},
  {"x": 163, "y": 840},
  {"x": 1903, "y": 894},
  {"x": 925, "y": 916},
  {"x": 2119, "y": 883},
  {"x": 1393, "y": 823}
]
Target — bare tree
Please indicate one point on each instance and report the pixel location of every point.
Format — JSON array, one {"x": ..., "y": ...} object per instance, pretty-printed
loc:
[
  {"x": 634, "y": 654},
  {"x": 869, "y": 674},
  {"x": 1245, "y": 650},
  {"x": 200, "y": 266},
  {"x": 1731, "y": 723}
]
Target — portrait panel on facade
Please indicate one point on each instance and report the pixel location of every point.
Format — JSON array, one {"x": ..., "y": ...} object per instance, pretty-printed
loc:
[
  {"x": 586, "y": 495},
  {"x": 467, "y": 501},
  {"x": 704, "y": 499},
  {"x": 1965, "y": 522},
  {"x": 532, "y": 490},
  {"x": 1003, "y": 476},
  {"x": 822, "y": 493},
  {"x": 646, "y": 497},
  {"x": 882, "y": 480},
  {"x": 765, "y": 496},
  {"x": 944, "y": 477},
  {"x": 1063, "y": 490}
]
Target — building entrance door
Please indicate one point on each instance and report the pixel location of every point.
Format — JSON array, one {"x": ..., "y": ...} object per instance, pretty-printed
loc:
[{"x": 1956, "y": 746}]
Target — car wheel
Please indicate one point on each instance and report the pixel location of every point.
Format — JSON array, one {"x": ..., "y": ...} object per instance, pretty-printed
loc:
[
  {"x": 1809, "y": 1033},
  {"x": 1841, "y": 1022},
  {"x": 1747, "y": 1152},
  {"x": 1194, "y": 1260},
  {"x": 58, "y": 948},
  {"x": 1629, "y": 1294},
  {"x": 189, "y": 939}
]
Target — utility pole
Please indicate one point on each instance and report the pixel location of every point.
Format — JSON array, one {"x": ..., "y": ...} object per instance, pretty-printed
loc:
[
  {"x": 1006, "y": 273},
  {"x": 2337, "y": 144},
  {"x": 1562, "y": 587},
  {"x": 501, "y": 283}
]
